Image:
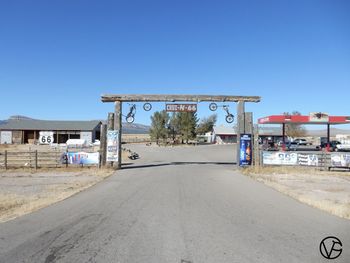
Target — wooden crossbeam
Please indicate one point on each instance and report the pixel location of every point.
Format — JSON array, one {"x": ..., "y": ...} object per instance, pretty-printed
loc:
[{"x": 176, "y": 98}]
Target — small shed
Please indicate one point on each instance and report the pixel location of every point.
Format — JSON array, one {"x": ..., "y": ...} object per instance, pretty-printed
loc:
[{"x": 224, "y": 135}]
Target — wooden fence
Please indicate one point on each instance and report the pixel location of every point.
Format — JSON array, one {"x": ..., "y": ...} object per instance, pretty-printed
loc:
[
  {"x": 35, "y": 159},
  {"x": 323, "y": 160}
]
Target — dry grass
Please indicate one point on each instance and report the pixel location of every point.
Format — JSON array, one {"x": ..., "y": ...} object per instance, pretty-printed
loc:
[
  {"x": 292, "y": 170},
  {"x": 328, "y": 191},
  {"x": 15, "y": 205}
]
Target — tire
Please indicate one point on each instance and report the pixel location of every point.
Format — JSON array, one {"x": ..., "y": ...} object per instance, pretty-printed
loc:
[
  {"x": 213, "y": 106},
  {"x": 130, "y": 119},
  {"x": 147, "y": 106},
  {"x": 229, "y": 118}
]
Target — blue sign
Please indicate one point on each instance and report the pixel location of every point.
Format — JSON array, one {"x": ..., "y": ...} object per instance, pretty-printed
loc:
[{"x": 245, "y": 153}]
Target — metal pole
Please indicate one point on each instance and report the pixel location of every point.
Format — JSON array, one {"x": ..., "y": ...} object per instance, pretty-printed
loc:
[
  {"x": 328, "y": 137},
  {"x": 118, "y": 127},
  {"x": 240, "y": 127}
]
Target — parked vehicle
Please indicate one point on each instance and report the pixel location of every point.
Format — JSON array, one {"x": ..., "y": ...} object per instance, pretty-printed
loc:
[
  {"x": 332, "y": 145},
  {"x": 280, "y": 143},
  {"x": 292, "y": 146},
  {"x": 302, "y": 142},
  {"x": 342, "y": 147}
]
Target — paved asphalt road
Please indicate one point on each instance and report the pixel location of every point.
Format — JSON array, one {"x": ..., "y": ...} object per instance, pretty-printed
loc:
[{"x": 182, "y": 204}]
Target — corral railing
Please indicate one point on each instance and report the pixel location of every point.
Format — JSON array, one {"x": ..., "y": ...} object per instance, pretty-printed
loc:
[
  {"x": 322, "y": 159},
  {"x": 39, "y": 159}
]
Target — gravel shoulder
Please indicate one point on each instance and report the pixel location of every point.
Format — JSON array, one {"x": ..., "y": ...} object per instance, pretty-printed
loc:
[
  {"x": 22, "y": 192},
  {"x": 328, "y": 191}
]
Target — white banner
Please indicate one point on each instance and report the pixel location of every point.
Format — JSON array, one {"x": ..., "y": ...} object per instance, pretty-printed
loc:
[
  {"x": 340, "y": 159},
  {"x": 308, "y": 159},
  {"x": 279, "y": 158},
  {"x": 112, "y": 146}
]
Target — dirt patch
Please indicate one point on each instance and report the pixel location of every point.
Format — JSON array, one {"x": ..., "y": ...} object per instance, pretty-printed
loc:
[
  {"x": 22, "y": 192},
  {"x": 328, "y": 191}
]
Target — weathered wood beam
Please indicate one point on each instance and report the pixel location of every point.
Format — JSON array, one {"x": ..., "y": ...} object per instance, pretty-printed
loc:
[{"x": 173, "y": 98}]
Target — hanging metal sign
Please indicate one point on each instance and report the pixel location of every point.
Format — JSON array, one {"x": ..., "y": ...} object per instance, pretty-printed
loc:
[{"x": 181, "y": 107}]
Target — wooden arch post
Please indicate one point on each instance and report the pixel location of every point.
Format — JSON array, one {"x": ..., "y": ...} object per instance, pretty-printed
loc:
[{"x": 118, "y": 128}]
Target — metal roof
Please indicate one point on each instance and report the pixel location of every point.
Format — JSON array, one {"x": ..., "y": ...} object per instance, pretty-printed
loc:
[
  {"x": 48, "y": 125},
  {"x": 224, "y": 130}
]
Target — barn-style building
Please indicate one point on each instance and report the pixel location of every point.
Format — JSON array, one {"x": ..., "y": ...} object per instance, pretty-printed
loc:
[{"x": 18, "y": 130}]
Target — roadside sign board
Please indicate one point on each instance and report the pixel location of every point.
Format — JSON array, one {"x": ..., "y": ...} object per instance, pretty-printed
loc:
[
  {"x": 46, "y": 137},
  {"x": 83, "y": 157},
  {"x": 112, "y": 146},
  {"x": 245, "y": 156},
  {"x": 181, "y": 107},
  {"x": 319, "y": 117}
]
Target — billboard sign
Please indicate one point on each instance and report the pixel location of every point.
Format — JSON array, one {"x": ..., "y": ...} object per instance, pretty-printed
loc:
[
  {"x": 280, "y": 158},
  {"x": 112, "y": 146},
  {"x": 181, "y": 107},
  {"x": 245, "y": 156},
  {"x": 318, "y": 117}
]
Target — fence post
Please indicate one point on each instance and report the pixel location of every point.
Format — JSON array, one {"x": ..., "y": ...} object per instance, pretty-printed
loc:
[
  {"x": 256, "y": 155},
  {"x": 5, "y": 161},
  {"x": 36, "y": 159}
]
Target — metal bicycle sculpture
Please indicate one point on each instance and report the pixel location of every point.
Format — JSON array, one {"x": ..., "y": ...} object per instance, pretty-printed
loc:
[
  {"x": 229, "y": 116},
  {"x": 147, "y": 106},
  {"x": 130, "y": 117}
]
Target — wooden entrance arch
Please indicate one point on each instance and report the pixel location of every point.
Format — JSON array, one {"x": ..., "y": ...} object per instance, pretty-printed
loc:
[{"x": 118, "y": 99}]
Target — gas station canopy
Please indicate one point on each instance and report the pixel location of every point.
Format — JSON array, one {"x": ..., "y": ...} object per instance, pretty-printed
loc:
[{"x": 313, "y": 118}]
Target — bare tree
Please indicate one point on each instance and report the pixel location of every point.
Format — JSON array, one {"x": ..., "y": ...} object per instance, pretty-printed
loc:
[
  {"x": 206, "y": 124},
  {"x": 294, "y": 129}
]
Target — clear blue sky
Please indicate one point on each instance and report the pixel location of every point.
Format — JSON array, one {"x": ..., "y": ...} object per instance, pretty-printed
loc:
[{"x": 58, "y": 57}]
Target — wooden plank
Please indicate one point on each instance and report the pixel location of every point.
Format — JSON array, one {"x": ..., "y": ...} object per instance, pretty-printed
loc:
[
  {"x": 118, "y": 127},
  {"x": 103, "y": 144},
  {"x": 173, "y": 98},
  {"x": 248, "y": 122},
  {"x": 5, "y": 161},
  {"x": 256, "y": 155},
  {"x": 110, "y": 127},
  {"x": 240, "y": 127}
]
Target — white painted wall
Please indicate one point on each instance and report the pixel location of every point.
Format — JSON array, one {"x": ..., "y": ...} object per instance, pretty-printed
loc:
[
  {"x": 6, "y": 137},
  {"x": 86, "y": 136}
]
